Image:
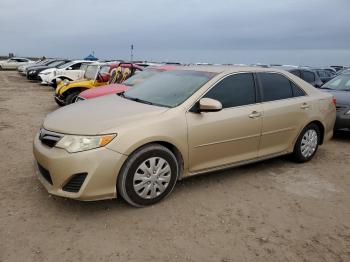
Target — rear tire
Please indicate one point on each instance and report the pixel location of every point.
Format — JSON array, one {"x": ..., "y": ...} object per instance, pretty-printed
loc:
[
  {"x": 148, "y": 175},
  {"x": 306, "y": 146},
  {"x": 72, "y": 97}
]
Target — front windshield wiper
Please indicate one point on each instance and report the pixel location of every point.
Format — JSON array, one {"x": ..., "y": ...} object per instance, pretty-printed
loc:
[
  {"x": 139, "y": 100},
  {"x": 323, "y": 87},
  {"x": 122, "y": 94}
]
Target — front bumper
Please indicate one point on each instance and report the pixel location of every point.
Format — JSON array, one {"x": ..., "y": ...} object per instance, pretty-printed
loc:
[
  {"x": 45, "y": 79},
  {"x": 101, "y": 165},
  {"x": 33, "y": 77}
]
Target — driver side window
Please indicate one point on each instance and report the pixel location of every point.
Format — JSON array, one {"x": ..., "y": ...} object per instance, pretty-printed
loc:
[
  {"x": 234, "y": 90},
  {"x": 76, "y": 66}
]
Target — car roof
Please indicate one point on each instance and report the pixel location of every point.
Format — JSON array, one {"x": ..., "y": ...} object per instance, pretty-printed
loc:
[
  {"x": 291, "y": 68},
  {"x": 82, "y": 61},
  {"x": 229, "y": 68},
  {"x": 19, "y": 58},
  {"x": 162, "y": 67}
]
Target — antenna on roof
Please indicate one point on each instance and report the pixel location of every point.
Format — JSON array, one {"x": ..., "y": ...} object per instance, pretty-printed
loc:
[{"x": 132, "y": 52}]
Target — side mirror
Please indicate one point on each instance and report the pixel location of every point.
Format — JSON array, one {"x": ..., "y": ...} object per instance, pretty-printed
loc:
[
  {"x": 69, "y": 68},
  {"x": 209, "y": 105}
]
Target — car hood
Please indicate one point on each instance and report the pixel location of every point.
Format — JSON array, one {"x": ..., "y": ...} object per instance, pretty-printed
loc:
[
  {"x": 49, "y": 70},
  {"x": 39, "y": 67},
  {"x": 343, "y": 97},
  {"x": 98, "y": 116},
  {"x": 103, "y": 90}
]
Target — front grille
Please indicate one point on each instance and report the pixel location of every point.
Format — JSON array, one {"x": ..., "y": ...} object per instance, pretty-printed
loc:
[
  {"x": 45, "y": 173},
  {"x": 49, "y": 138},
  {"x": 75, "y": 183}
]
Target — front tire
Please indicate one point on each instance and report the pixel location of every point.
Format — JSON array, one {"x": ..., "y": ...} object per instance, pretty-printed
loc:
[
  {"x": 148, "y": 175},
  {"x": 59, "y": 102},
  {"x": 72, "y": 97},
  {"x": 307, "y": 144}
]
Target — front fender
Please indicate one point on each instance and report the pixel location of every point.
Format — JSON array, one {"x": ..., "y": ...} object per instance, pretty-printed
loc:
[{"x": 75, "y": 84}]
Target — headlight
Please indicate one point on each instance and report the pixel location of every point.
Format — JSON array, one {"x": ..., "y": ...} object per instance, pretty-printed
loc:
[
  {"x": 32, "y": 72},
  {"x": 74, "y": 144},
  {"x": 347, "y": 113}
]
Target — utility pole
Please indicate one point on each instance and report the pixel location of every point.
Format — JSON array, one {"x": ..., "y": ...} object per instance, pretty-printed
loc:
[{"x": 131, "y": 53}]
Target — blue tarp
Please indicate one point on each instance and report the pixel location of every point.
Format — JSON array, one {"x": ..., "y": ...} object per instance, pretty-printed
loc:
[{"x": 91, "y": 58}]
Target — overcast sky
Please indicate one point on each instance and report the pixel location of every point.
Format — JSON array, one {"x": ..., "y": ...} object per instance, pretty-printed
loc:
[{"x": 221, "y": 31}]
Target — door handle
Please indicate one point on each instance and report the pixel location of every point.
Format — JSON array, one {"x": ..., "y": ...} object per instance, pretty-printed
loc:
[
  {"x": 255, "y": 114},
  {"x": 305, "y": 106}
]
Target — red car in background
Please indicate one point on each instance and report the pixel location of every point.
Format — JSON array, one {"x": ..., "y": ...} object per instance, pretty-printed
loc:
[{"x": 119, "y": 88}]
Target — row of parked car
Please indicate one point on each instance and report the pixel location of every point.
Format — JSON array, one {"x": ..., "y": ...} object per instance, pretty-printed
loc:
[
  {"x": 148, "y": 127},
  {"x": 76, "y": 80}
]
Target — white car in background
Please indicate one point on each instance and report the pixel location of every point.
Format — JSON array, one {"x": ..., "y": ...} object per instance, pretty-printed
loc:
[
  {"x": 22, "y": 68},
  {"x": 15, "y": 62},
  {"x": 70, "y": 71}
]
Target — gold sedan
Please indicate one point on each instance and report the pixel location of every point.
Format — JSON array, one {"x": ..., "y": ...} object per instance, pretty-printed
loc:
[{"x": 177, "y": 124}]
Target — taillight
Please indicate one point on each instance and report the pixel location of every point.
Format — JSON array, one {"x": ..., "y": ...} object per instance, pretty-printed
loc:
[{"x": 334, "y": 100}]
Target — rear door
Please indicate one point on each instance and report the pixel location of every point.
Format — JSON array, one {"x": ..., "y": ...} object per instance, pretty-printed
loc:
[
  {"x": 230, "y": 135},
  {"x": 285, "y": 107}
]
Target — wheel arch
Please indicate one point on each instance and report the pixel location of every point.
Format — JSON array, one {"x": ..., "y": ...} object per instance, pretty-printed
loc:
[
  {"x": 62, "y": 77},
  {"x": 320, "y": 125},
  {"x": 171, "y": 146},
  {"x": 73, "y": 89}
]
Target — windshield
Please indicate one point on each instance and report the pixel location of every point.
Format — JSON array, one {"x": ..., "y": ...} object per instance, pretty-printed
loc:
[
  {"x": 56, "y": 63},
  {"x": 170, "y": 88},
  {"x": 140, "y": 77},
  {"x": 91, "y": 71},
  {"x": 65, "y": 65},
  {"x": 339, "y": 83}
]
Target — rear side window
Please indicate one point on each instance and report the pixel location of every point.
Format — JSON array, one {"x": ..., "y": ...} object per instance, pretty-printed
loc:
[
  {"x": 234, "y": 90},
  {"x": 297, "y": 91},
  {"x": 275, "y": 87},
  {"x": 308, "y": 76}
]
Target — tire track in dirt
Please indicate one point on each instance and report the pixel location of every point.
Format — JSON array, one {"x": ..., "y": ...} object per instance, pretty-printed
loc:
[{"x": 3, "y": 78}]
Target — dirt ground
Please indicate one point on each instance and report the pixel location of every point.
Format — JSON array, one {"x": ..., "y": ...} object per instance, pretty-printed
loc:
[{"x": 270, "y": 211}]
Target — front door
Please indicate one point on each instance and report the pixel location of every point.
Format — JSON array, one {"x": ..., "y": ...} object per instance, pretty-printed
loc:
[{"x": 231, "y": 135}]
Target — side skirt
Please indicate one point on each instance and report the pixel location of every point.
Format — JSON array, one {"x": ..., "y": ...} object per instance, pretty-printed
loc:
[{"x": 236, "y": 164}]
